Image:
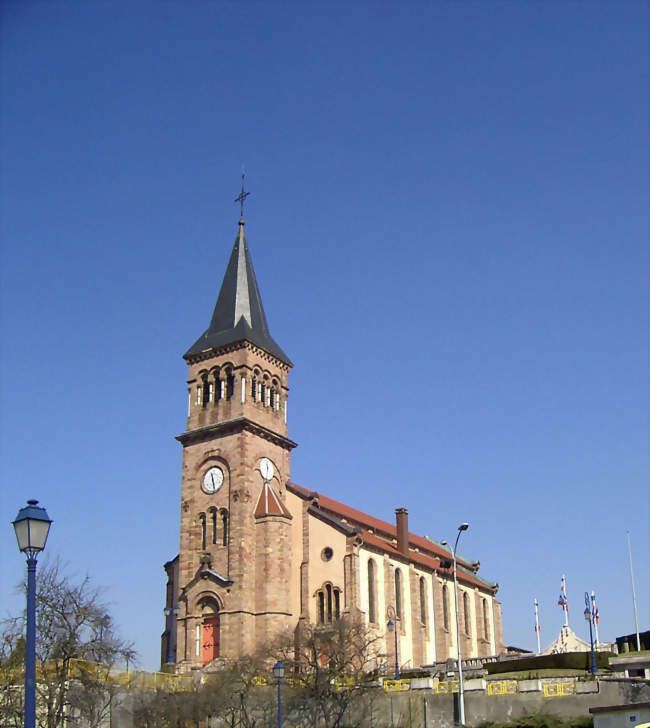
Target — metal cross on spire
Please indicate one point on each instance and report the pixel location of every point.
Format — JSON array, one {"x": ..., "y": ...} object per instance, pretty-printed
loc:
[{"x": 242, "y": 196}]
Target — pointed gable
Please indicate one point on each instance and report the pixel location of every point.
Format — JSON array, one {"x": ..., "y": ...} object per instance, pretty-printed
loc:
[
  {"x": 238, "y": 314},
  {"x": 268, "y": 504}
]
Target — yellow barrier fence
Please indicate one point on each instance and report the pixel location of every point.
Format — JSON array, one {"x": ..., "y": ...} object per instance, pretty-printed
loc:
[
  {"x": 559, "y": 690},
  {"x": 397, "y": 686},
  {"x": 502, "y": 687},
  {"x": 446, "y": 686}
]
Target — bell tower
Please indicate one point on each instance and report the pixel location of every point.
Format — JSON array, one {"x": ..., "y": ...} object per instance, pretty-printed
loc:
[{"x": 230, "y": 584}]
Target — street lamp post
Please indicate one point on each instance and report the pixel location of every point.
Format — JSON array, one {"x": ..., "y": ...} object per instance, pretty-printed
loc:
[
  {"x": 171, "y": 614},
  {"x": 461, "y": 693},
  {"x": 32, "y": 525},
  {"x": 392, "y": 627},
  {"x": 278, "y": 671},
  {"x": 103, "y": 623},
  {"x": 588, "y": 617}
]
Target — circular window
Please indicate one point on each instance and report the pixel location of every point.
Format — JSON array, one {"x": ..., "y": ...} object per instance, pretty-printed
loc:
[{"x": 326, "y": 554}]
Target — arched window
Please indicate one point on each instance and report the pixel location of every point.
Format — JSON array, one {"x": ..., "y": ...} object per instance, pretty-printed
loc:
[
  {"x": 254, "y": 388},
  {"x": 486, "y": 621},
  {"x": 329, "y": 603},
  {"x": 445, "y": 606},
  {"x": 433, "y": 597},
  {"x": 213, "y": 518},
  {"x": 466, "y": 612},
  {"x": 423, "y": 601},
  {"x": 398, "y": 593},
  {"x": 203, "y": 530},
  {"x": 224, "y": 527},
  {"x": 372, "y": 611}
]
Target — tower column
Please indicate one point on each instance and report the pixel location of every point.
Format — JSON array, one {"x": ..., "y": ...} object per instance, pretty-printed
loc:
[{"x": 230, "y": 429}]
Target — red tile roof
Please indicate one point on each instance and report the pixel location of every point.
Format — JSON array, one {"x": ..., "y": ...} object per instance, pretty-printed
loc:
[
  {"x": 424, "y": 560},
  {"x": 383, "y": 535}
]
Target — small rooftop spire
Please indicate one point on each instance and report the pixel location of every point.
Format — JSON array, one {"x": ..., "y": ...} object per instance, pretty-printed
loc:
[{"x": 241, "y": 197}]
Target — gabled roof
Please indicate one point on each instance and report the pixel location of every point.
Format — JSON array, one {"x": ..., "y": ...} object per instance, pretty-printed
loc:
[
  {"x": 215, "y": 575},
  {"x": 268, "y": 504},
  {"x": 382, "y": 536},
  {"x": 238, "y": 314}
]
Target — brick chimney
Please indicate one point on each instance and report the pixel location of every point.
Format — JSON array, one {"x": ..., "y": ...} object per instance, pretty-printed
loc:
[{"x": 402, "y": 517}]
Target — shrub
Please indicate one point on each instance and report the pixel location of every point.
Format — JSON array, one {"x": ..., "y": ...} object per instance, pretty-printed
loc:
[{"x": 541, "y": 720}]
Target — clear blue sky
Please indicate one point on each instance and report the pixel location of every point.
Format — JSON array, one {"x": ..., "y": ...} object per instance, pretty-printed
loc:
[{"x": 449, "y": 226}]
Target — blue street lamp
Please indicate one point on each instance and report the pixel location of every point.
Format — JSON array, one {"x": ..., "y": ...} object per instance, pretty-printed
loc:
[
  {"x": 589, "y": 617},
  {"x": 278, "y": 671},
  {"x": 32, "y": 525},
  {"x": 103, "y": 624},
  {"x": 171, "y": 615},
  {"x": 392, "y": 627}
]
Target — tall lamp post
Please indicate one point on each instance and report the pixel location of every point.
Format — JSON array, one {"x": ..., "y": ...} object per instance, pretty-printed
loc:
[
  {"x": 588, "y": 617},
  {"x": 171, "y": 614},
  {"x": 461, "y": 693},
  {"x": 32, "y": 525},
  {"x": 103, "y": 624},
  {"x": 278, "y": 671},
  {"x": 392, "y": 627}
]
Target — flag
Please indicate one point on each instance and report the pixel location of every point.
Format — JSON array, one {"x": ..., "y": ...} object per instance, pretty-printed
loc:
[
  {"x": 563, "y": 601},
  {"x": 594, "y": 608}
]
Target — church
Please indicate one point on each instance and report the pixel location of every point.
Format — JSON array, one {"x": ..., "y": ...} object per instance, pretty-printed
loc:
[{"x": 260, "y": 554}]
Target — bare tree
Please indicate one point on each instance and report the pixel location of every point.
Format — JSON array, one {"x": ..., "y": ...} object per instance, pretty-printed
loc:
[
  {"x": 329, "y": 673},
  {"x": 333, "y": 666},
  {"x": 76, "y": 649},
  {"x": 12, "y": 650}
]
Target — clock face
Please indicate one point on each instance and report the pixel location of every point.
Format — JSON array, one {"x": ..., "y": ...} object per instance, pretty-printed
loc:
[
  {"x": 266, "y": 468},
  {"x": 212, "y": 480}
]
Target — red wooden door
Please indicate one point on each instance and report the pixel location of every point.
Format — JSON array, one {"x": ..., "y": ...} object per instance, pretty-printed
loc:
[{"x": 210, "y": 639}]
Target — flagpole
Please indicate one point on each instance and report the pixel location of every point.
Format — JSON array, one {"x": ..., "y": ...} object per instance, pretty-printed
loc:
[
  {"x": 594, "y": 616},
  {"x": 636, "y": 616},
  {"x": 566, "y": 602},
  {"x": 539, "y": 647}
]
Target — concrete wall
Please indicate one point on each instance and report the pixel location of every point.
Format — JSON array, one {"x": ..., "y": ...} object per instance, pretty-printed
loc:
[
  {"x": 484, "y": 700},
  {"x": 495, "y": 702},
  {"x": 622, "y": 718}
]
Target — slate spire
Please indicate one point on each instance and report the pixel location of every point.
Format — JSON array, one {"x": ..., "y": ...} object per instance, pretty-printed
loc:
[{"x": 238, "y": 314}]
